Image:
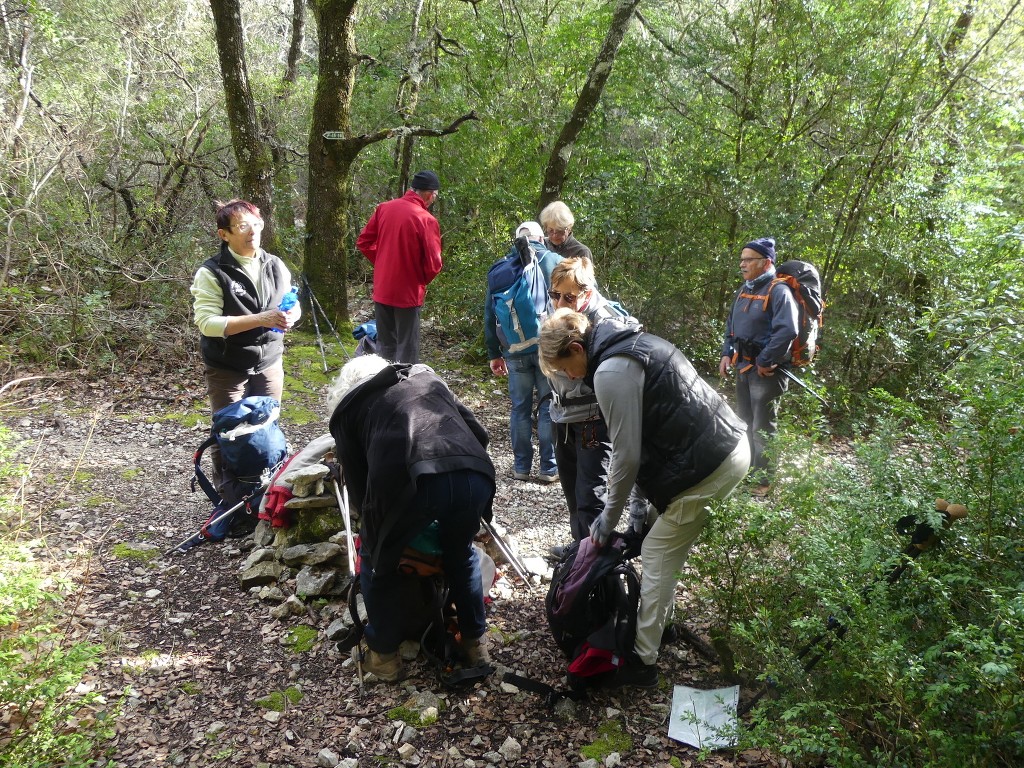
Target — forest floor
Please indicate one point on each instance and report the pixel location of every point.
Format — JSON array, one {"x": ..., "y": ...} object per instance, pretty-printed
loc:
[{"x": 189, "y": 655}]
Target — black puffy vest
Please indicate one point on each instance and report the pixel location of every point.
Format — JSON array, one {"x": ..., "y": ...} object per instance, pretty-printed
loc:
[
  {"x": 257, "y": 349},
  {"x": 688, "y": 429}
]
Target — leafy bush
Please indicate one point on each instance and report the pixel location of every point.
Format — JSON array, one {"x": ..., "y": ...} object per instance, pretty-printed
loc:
[
  {"x": 45, "y": 721},
  {"x": 918, "y": 667}
]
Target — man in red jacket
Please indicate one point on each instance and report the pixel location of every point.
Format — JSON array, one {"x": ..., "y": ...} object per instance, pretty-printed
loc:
[{"x": 403, "y": 242}]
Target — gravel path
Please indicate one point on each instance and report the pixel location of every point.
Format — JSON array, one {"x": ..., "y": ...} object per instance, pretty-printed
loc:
[{"x": 189, "y": 654}]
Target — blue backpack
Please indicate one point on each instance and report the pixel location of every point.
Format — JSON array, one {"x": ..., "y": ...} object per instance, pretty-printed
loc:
[
  {"x": 251, "y": 445},
  {"x": 518, "y": 292}
]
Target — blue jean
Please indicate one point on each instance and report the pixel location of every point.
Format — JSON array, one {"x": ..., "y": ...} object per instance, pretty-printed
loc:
[
  {"x": 457, "y": 500},
  {"x": 524, "y": 376}
]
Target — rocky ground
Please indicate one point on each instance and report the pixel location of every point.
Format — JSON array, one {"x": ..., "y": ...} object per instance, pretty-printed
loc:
[{"x": 193, "y": 662}]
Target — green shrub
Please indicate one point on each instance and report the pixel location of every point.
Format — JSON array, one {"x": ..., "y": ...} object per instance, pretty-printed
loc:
[
  {"x": 49, "y": 722},
  {"x": 918, "y": 667}
]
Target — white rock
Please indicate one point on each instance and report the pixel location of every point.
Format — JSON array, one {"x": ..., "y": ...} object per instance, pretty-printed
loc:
[{"x": 511, "y": 750}]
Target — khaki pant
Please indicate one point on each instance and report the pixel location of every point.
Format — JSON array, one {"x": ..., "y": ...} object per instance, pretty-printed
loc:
[
  {"x": 226, "y": 387},
  {"x": 665, "y": 548}
]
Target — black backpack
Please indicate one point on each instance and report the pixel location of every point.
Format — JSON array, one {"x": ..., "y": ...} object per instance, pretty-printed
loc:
[
  {"x": 591, "y": 608},
  {"x": 804, "y": 281}
]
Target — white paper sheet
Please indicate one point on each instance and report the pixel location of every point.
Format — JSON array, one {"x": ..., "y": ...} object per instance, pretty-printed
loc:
[{"x": 704, "y": 718}]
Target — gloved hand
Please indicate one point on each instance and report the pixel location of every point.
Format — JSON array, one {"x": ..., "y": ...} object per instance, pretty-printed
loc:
[{"x": 601, "y": 529}]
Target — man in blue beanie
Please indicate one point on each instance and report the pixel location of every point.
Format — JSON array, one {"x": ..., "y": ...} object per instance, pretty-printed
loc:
[{"x": 759, "y": 331}]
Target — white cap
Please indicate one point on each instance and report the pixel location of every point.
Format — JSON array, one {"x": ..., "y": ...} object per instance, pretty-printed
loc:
[{"x": 533, "y": 231}]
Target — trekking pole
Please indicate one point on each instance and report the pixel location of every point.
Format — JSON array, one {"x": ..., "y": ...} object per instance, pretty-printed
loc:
[
  {"x": 923, "y": 538},
  {"x": 789, "y": 375},
  {"x": 349, "y": 539},
  {"x": 507, "y": 553},
  {"x": 197, "y": 538},
  {"x": 316, "y": 325},
  {"x": 327, "y": 320}
]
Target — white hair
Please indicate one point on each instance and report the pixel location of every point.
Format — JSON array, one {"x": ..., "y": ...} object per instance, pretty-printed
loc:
[{"x": 354, "y": 372}]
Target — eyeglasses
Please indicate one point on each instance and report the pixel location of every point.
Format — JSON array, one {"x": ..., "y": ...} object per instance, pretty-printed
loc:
[
  {"x": 758, "y": 258},
  {"x": 558, "y": 296},
  {"x": 558, "y": 231},
  {"x": 244, "y": 227}
]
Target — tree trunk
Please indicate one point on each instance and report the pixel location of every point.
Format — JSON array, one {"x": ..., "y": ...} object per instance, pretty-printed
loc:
[
  {"x": 252, "y": 153},
  {"x": 330, "y": 161},
  {"x": 328, "y": 239},
  {"x": 554, "y": 173}
]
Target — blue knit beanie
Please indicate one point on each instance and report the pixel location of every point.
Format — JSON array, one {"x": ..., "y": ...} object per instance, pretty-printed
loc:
[{"x": 763, "y": 245}]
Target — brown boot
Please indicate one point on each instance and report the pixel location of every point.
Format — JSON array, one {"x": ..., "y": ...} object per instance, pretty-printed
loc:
[
  {"x": 386, "y": 666},
  {"x": 475, "y": 652}
]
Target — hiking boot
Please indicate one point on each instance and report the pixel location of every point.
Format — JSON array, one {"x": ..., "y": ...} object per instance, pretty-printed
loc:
[
  {"x": 521, "y": 475},
  {"x": 635, "y": 674},
  {"x": 548, "y": 479},
  {"x": 475, "y": 652},
  {"x": 386, "y": 666}
]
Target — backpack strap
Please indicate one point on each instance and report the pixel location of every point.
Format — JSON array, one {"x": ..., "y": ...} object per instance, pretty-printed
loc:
[
  {"x": 762, "y": 297},
  {"x": 551, "y": 694},
  {"x": 200, "y": 476}
]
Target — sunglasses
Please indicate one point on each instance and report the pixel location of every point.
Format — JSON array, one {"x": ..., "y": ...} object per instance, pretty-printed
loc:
[{"x": 558, "y": 296}]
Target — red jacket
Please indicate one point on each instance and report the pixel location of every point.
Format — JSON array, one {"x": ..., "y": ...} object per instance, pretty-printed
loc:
[{"x": 403, "y": 242}]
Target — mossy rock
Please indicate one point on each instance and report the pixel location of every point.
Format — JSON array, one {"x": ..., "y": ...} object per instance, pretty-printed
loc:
[
  {"x": 128, "y": 552},
  {"x": 611, "y": 737},
  {"x": 278, "y": 701},
  {"x": 301, "y": 638},
  {"x": 310, "y": 527}
]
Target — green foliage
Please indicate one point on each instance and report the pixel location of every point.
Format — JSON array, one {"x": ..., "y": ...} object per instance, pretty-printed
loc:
[
  {"x": 46, "y": 721},
  {"x": 127, "y": 552},
  {"x": 926, "y": 669},
  {"x": 278, "y": 701}
]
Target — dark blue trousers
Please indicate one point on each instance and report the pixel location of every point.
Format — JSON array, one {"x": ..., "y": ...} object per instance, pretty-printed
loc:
[{"x": 456, "y": 500}]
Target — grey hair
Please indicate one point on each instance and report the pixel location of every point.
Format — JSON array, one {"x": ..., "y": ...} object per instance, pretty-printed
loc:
[
  {"x": 354, "y": 372},
  {"x": 557, "y": 214}
]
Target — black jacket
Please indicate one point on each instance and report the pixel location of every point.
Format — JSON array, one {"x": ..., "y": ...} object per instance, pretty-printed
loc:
[
  {"x": 688, "y": 429},
  {"x": 391, "y": 429},
  {"x": 257, "y": 349}
]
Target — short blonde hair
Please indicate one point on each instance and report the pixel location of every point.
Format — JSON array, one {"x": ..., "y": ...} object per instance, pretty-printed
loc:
[
  {"x": 558, "y": 332},
  {"x": 557, "y": 214},
  {"x": 580, "y": 270},
  {"x": 354, "y": 372}
]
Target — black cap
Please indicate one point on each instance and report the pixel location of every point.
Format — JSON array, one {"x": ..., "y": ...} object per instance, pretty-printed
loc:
[{"x": 425, "y": 180}]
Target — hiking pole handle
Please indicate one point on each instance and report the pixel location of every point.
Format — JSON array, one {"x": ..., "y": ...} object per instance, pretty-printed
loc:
[
  {"x": 219, "y": 518},
  {"x": 349, "y": 539}
]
